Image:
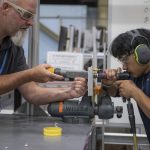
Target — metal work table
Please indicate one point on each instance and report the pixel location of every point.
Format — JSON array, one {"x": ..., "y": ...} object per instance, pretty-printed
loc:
[{"x": 19, "y": 132}]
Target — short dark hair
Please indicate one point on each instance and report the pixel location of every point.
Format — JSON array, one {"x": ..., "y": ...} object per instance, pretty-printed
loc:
[{"x": 122, "y": 44}]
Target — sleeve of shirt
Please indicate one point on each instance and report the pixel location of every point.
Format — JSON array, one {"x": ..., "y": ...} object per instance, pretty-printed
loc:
[{"x": 20, "y": 60}]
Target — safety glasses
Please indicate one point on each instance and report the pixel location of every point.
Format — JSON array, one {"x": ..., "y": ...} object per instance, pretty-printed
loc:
[
  {"x": 24, "y": 14},
  {"x": 126, "y": 58}
]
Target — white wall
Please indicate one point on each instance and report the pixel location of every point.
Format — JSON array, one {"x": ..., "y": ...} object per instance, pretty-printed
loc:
[{"x": 124, "y": 15}]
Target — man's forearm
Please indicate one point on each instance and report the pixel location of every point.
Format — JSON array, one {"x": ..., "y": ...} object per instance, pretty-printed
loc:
[
  {"x": 39, "y": 95},
  {"x": 11, "y": 81}
]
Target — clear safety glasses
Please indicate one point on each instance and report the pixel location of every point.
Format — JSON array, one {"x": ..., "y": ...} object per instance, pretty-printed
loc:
[{"x": 24, "y": 14}]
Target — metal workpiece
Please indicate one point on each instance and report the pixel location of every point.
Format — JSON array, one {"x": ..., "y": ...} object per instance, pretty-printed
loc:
[
  {"x": 18, "y": 132},
  {"x": 91, "y": 74}
]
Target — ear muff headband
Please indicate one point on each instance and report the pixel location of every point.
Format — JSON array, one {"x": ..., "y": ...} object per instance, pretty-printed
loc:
[{"x": 136, "y": 34}]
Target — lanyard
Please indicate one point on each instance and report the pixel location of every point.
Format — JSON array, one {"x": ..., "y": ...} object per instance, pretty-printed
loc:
[{"x": 4, "y": 62}]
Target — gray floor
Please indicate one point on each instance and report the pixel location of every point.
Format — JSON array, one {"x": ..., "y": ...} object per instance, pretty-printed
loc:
[{"x": 24, "y": 133}]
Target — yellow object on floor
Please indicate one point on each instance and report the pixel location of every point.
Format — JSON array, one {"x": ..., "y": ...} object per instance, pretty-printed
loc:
[{"x": 52, "y": 131}]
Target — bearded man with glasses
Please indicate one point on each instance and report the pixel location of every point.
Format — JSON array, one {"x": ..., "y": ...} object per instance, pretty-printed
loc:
[{"x": 16, "y": 16}]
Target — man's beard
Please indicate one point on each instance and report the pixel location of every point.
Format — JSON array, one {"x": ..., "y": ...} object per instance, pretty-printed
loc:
[{"x": 19, "y": 37}]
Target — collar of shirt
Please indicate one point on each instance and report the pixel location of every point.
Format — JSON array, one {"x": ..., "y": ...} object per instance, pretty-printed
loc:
[{"x": 6, "y": 43}]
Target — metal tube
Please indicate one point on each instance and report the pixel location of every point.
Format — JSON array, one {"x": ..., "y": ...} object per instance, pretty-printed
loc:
[{"x": 33, "y": 52}]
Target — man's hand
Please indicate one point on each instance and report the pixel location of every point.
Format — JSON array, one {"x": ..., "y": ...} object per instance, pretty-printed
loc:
[
  {"x": 111, "y": 75},
  {"x": 78, "y": 88},
  {"x": 41, "y": 74},
  {"x": 126, "y": 88}
]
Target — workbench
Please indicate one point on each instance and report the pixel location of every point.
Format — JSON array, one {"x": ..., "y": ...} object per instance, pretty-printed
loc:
[{"x": 19, "y": 132}]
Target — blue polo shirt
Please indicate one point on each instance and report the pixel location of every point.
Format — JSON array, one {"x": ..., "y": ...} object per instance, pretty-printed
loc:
[
  {"x": 143, "y": 83},
  {"x": 12, "y": 57}
]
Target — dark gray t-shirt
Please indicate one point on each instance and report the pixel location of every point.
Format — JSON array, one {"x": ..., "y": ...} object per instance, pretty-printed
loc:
[
  {"x": 12, "y": 57},
  {"x": 12, "y": 60}
]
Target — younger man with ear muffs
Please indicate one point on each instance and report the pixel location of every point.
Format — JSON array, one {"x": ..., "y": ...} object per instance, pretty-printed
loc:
[{"x": 132, "y": 49}]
